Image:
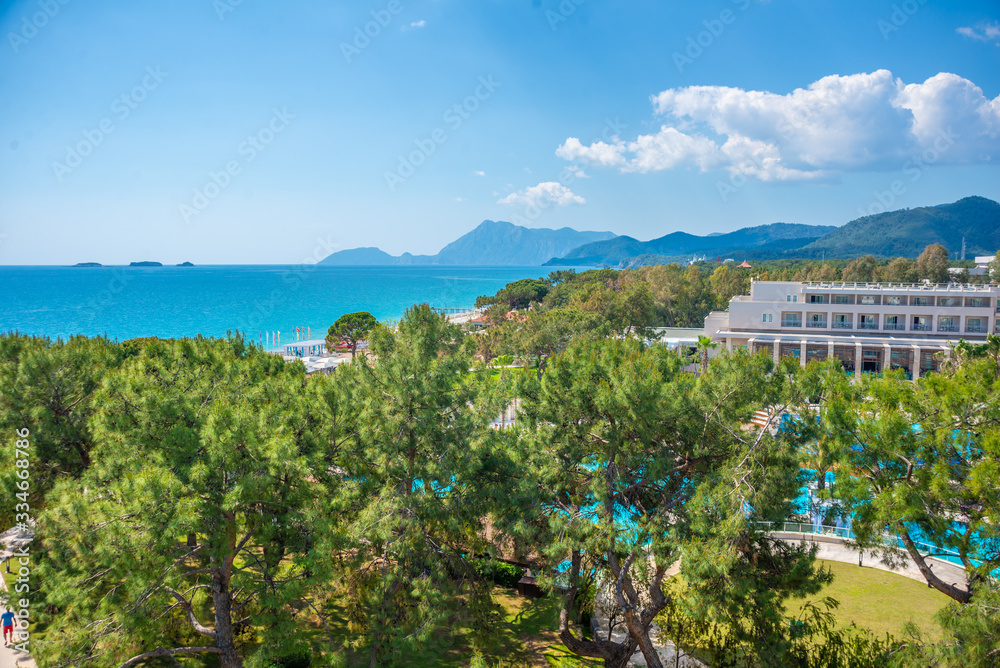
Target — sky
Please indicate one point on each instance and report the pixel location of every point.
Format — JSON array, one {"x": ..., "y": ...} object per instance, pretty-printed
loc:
[{"x": 265, "y": 132}]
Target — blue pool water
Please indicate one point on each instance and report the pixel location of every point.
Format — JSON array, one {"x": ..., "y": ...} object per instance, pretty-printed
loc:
[{"x": 126, "y": 302}]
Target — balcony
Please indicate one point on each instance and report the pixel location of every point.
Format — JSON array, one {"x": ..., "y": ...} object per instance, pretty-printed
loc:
[
  {"x": 894, "y": 326},
  {"x": 920, "y": 327},
  {"x": 817, "y": 323},
  {"x": 949, "y": 303},
  {"x": 791, "y": 323},
  {"x": 975, "y": 329},
  {"x": 947, "y": 328},
  {"x": 842, "y": 325},
  {"x": 867, "y": 325}
]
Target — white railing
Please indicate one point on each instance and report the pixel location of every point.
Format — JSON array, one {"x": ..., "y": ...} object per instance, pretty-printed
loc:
[
  {"x": 943, "y": 287},
  {"x": 889, "y": 540}
]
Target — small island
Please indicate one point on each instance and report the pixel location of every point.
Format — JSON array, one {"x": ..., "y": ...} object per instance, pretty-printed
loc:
[
  {"x": 145, "y": 264},
  {"x": 185, "y": 264},
  {"x": 88, "y": 264}
]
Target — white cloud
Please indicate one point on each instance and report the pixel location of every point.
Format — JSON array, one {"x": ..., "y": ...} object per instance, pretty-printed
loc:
[
  {"x": 837, "y": 124},
  {"x": 459, "y": 199},
  {"x": 479, "y": 173},
  {"x": 542, "y": 194},
  {"x": 416, "y": 24},
  {"x": 577, "y": 172},
  {"x": 983, "y": 32}
]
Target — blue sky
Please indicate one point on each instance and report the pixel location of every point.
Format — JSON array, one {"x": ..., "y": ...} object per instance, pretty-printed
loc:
[{"x": 227, "y": 131}]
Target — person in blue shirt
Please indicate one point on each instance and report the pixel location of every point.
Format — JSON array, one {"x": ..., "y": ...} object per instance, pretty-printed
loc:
[{"x": 7, "y": 621}]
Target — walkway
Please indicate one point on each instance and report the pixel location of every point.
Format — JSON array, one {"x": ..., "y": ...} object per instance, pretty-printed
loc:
[{"x": 10, "y": 540}]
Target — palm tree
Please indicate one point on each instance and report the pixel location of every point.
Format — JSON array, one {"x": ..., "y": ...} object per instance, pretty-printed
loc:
[{"x": 705, "y": 344}]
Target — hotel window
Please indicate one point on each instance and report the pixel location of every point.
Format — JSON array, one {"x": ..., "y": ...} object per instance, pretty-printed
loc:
[
  {"x": 976, "y": 302},
  {"x": 895, "y": 301},
  {"x": 841, "y": 299},
  {"x": 868, "y": 299},
  {"x": 894, "y": 322},
  {"x": 947, "y": 324},
  {"x": 841, "y": 321},
  {"x": 974, "y": 325},
  {"x": 767, "y": 317},
  {"x": 949, "y": 301},
  {"x": 817, "y": 299},
  {"x": 921, "y": 323},
  {"x": 817, "y": 320},
  {"x": 920, "y": 301},
  {"x": 791, "y": 298},
  {"x": 867, "y": 322}
]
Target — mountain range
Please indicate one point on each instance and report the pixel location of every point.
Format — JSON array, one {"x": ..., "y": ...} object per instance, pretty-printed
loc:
[
  {"x": 492, "y": 243},
  {"x": 775, "y": 237},
  {"x": 905, "y": 233}
]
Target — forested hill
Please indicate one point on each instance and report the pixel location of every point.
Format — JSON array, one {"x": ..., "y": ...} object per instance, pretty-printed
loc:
[
  {"x": 905, "y": 233},
  {"x": 771, "y": 238}
]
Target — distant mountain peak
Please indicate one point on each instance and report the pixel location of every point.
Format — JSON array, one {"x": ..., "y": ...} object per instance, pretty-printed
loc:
[{"x": 491, "y": 243}]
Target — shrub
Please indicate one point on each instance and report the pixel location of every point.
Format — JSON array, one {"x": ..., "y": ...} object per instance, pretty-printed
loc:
[{"x": 500, "y": 572}]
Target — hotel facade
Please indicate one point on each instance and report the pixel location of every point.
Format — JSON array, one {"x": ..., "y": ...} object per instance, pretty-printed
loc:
[{"x": 869, "y": 327}]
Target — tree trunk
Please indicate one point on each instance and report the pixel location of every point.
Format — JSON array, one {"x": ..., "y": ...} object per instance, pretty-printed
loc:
[
  {"x": 615, "y": 655},
  {"x": 933, "y": 580},
  {"x": 820, "y": 479},
  {"x": 224, "y": 621}
]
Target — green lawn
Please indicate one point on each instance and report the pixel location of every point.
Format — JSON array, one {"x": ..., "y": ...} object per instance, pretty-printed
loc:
[{"x": 880, "y": 601}]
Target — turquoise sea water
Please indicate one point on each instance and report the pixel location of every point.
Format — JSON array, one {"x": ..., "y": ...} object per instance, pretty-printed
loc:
[{"x": 126, "y": 302}]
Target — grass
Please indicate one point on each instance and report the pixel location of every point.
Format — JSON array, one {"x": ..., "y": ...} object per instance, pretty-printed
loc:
[
  {"x": 879, "y": 601},
  {"x": 525, "y": 635}
]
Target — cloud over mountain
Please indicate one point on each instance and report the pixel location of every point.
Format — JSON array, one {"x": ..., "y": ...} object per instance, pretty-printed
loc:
[
  {"x": 857, "y": 122},
  {"x": 543, "y": 194}
]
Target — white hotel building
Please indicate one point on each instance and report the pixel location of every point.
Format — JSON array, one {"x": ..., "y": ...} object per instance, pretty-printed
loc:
[{"x": 868, "y": 326}]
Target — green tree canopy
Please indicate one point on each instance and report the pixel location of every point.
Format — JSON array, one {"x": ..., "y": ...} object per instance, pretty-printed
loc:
[
  {"x": 517, "y": 295},
  {"x": 195, "y": 515},
  {"x": 628, "y": 453},
  {"x": 861, "y": 270},
  {"x": 351, "y": 328},
  {"x": 48, "y": 388},
  {"x": 933, "y": 264},
  {"x": 424, "y": 476},
  {"x": 921, "y": 463}
]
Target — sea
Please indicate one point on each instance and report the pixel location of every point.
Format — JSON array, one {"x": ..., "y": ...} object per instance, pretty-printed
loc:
[{"x": 171, "y": 302}]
